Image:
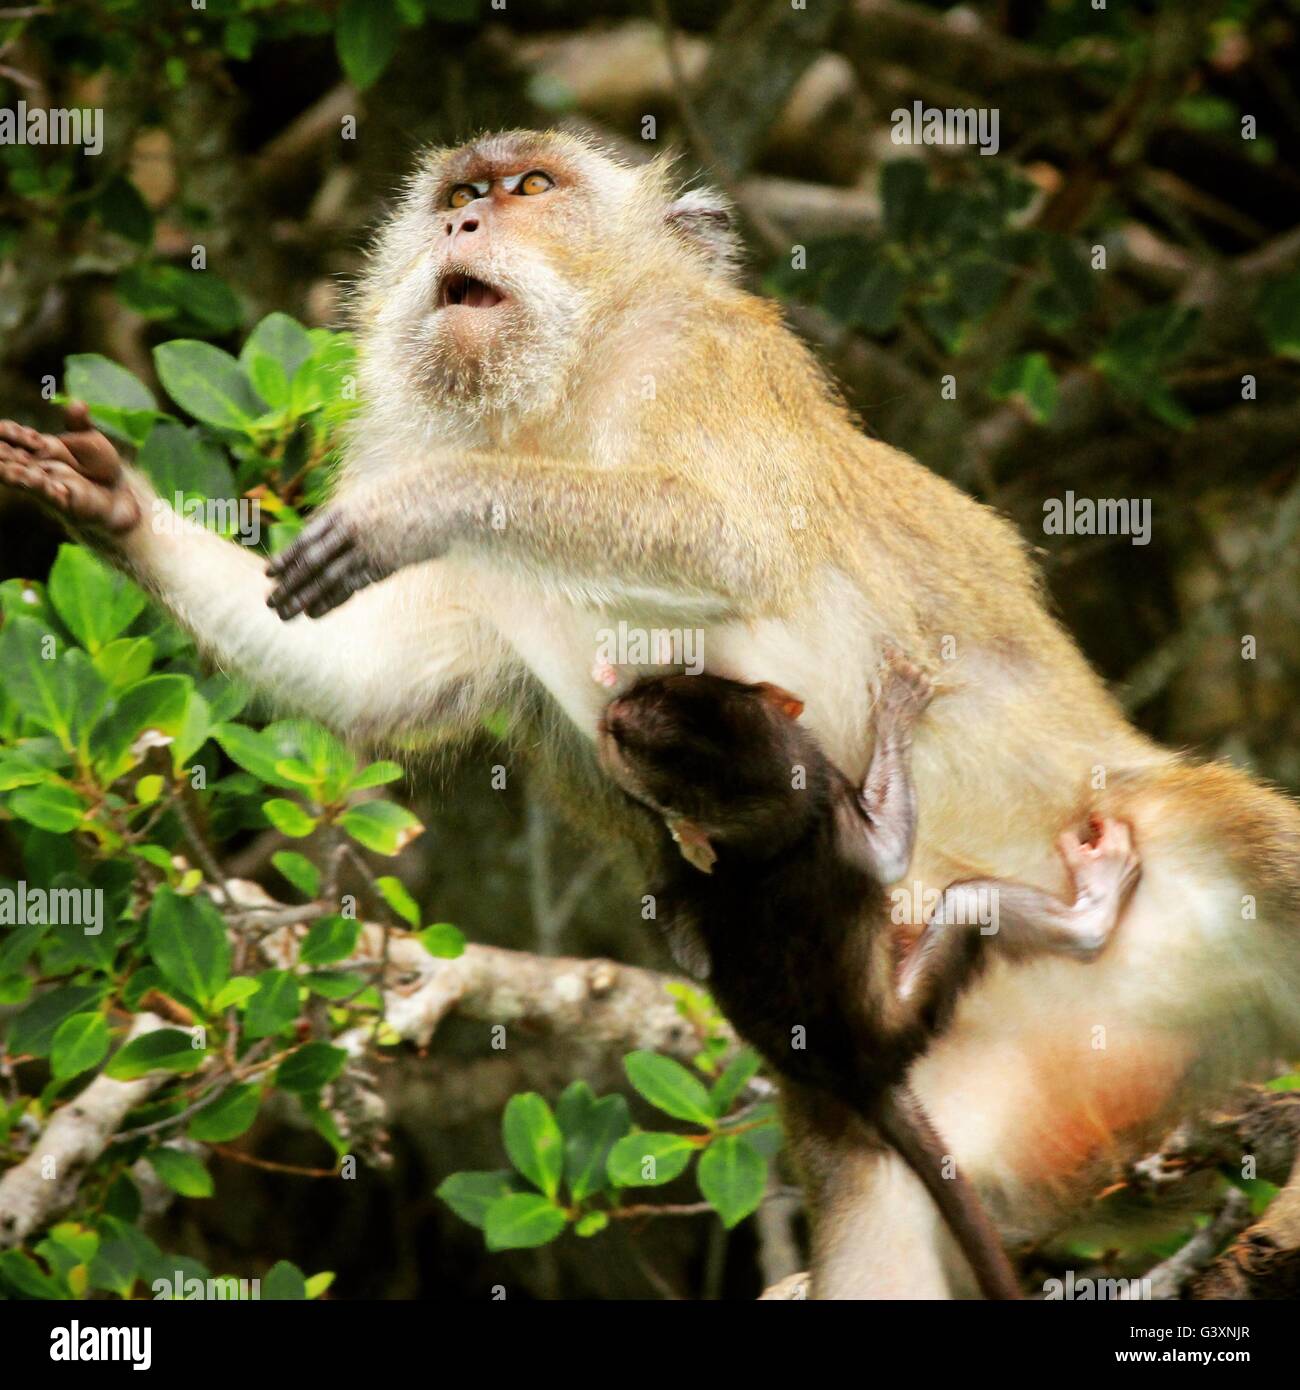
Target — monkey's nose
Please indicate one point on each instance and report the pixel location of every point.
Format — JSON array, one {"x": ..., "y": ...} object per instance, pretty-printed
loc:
[{"x": 460, "y": 225}]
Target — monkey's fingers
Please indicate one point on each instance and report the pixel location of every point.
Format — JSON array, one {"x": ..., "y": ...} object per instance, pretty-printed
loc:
[
  {"x": 90, "y": 450},
  {"x": 33, "y": 442},
  {"x": 44, "y": 480},
  {"x": 318, "y": 542},
  {"x": 322, "y": 590}
]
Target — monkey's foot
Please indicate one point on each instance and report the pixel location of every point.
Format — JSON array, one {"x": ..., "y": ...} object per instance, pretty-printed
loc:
[
  {"x": 322, "y": 568},
  {"x": 1105, "y": 869}
]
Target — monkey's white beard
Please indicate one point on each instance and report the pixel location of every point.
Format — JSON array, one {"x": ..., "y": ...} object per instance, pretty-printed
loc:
[{"x": 512, "y": 360}]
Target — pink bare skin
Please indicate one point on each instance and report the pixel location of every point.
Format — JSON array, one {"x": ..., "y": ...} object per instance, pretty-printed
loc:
[{"x": 78, "y": 474}]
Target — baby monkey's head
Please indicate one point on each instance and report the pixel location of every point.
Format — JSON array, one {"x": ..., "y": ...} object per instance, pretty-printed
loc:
[{"x": 723, "y": 762}]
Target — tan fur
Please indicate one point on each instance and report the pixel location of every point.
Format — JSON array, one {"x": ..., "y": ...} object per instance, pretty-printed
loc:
[{"x": 665, "y": 452}]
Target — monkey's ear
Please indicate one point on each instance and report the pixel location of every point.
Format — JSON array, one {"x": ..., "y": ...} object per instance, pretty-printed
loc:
[
  {"x": 703, "y": 219},
  {"x": 789, "y": 705},
  {"x": 693, "y": 843}
]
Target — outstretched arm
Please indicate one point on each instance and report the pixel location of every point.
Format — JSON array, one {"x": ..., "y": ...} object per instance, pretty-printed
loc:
[
  {"x": 616, "y": 532},
  {"x": 403, "y": 657}
]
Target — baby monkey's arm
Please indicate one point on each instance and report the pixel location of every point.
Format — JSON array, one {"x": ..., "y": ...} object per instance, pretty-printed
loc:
[{"x": 1022, "y": 921}]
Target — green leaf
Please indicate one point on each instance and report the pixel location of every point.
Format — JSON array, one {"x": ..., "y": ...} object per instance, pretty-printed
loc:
[
  {"x": 186, "y": 937},
  {"x": 300, "y": 871},
  {"x": 52, "y": 807},
  {"x": 533, "y": 1141},
  {"x": 376, "y": 775},
  {"x": 229, "y": 1116},
  {"x": 255, "y": 752},
  {"x": 381, "y": 826},
  {"x": 732, "y": 1177},
  {"x": 280, "y": 338},
  {"x": 592, "y": 1224},
  {"x": 739, "y": 1072},
  {"x": 152, "y": 711},
  {"x": 94, "y": 379},
  {"x": 275, "y": 1005},
  {"x": 522, "y": 1221},
  {"x": 470, "y": 1195},
  {"x": 96, "y": 603},
  {"x": 59, "y": 691},
  {"x": 442, "y": 940},
  {"x": 311, "y": 1067},
  {"x": 181, "y": 1171},
  {"x": 340, "y": 984},
  {"x": 181, "y": 460},
  {"x": 648, "y": 1159},
  {"x": 115, "y": 1267},
  {"x": 667, "y": 1085},
  {"x": 18, "y": 771},
  {"x": 395, "y": 895},
  {"x": 366, "y": 39},
  {"x": 591, "y": 1128},
  {"x": 208, "y": 383},
  {"x": 165, "y": 1049},
  {"x": 32, "y": 1032},
  {"x": 80, "y": 1043},
  {"x": 289, "y": 818},
  {"x": 330, "y": 939},
  {"x": 318, "y": 1283},
  {"x": 1030, "y": 378},
  {"x": 234, "y": 991},
  {"x": 284, "y": 1283},
  {"x": 21, "y": 1273},
  {"x": 125, "y": 661}
]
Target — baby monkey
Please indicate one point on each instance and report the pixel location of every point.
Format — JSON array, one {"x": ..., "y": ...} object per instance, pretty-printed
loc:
[{"x": 777, "y": 894}]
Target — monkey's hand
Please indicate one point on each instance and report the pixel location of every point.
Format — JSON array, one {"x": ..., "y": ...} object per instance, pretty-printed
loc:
[
  {"x": 323, "y": 567},
  {"x": 77, "y": 474}
]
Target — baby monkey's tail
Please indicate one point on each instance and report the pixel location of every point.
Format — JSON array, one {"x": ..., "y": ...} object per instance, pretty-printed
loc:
[{"x": 902, "y": 1120}]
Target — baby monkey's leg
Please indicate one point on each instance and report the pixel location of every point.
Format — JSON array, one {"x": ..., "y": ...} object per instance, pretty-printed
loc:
[
  {"x": 1022, "y": 921},
  {"x": 885, "y": 829}
]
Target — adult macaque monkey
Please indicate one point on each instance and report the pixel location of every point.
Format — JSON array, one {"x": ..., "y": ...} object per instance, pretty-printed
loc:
[{"x": 574, "y": 417}]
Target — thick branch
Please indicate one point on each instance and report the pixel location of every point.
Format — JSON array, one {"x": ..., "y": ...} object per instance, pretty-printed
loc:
[{"x": 75, "y": 1136}]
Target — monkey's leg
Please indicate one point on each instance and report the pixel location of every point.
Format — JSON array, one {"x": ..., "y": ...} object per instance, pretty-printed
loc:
[
  {"x": 876, "y": 1233},
  {"x": 1023, "y": 921},
  {"x": 886, "y": 829}
]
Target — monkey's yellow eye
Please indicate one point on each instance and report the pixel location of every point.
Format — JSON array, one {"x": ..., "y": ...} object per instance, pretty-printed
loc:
[
  {"x": 536, "y": 182},
  {"x": 460, "y": 195}
]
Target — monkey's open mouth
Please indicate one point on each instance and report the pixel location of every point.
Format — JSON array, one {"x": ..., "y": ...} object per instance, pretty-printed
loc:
[{"x": 468, "y": 292}]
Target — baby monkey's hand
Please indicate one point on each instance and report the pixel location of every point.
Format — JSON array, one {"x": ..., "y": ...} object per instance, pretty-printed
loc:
[{"x": 902, "y": 691}]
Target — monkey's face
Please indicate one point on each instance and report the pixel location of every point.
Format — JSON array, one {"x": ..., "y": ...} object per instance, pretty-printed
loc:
[
  {"x": 511, "y": 260},
  {"x": 493, "y": 260},
  {"x": 718, "y": 759}
]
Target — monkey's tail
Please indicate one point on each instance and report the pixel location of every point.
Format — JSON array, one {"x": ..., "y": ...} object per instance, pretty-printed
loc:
[{"x": 902, "y": 1120}]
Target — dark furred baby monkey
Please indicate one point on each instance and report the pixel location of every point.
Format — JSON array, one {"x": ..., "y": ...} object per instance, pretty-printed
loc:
[{"x": 778, "y": 896}]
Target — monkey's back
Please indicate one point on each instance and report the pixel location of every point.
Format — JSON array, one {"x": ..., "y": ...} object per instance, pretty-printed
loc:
[{"x": 801, "y": 961}]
